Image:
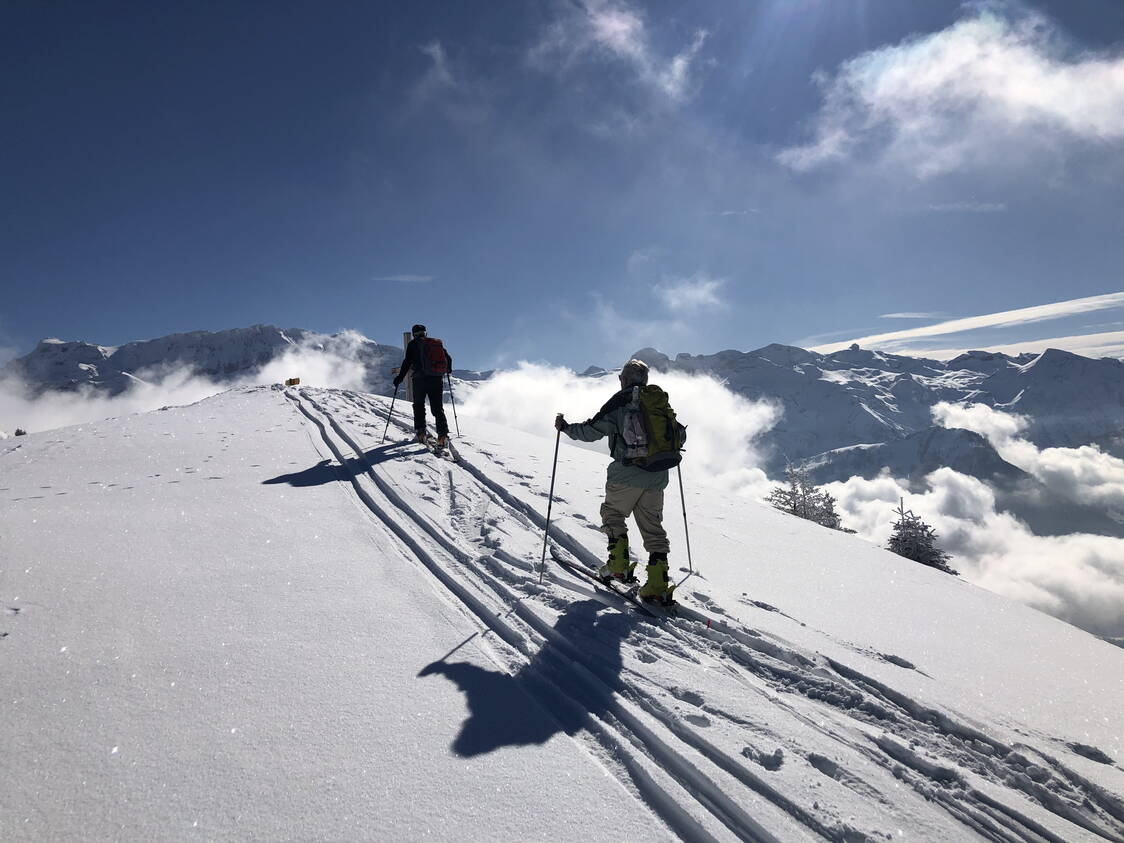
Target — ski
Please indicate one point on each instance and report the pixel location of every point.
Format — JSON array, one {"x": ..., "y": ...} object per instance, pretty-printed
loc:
[
  {"x": 445, "y": 451},
  {"x": 650, "y": 609}
]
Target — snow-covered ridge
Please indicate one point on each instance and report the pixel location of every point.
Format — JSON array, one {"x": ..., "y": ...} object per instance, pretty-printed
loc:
[
  {"x": 222, "y": 356},
  {"x": 323, "y": 631}
]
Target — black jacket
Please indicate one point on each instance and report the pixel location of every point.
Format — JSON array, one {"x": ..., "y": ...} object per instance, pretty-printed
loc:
[{"x": 413, "y": 360}]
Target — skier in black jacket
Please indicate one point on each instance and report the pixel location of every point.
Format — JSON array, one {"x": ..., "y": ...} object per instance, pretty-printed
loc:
[{"x": 430, "y": 362}]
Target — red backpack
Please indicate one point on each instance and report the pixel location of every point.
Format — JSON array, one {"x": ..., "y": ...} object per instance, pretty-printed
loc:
[{"x": 434, "y": 361}]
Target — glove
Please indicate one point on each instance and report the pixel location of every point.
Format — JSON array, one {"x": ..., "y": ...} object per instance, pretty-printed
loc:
[
  {"x": 560, "y": 423},
  {"x": 397, "y": 382}
]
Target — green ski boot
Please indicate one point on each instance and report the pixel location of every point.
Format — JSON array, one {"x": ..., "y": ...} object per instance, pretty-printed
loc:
[
  {"x": 618, "y": 567},
  {"x": 658, "y": 588}
]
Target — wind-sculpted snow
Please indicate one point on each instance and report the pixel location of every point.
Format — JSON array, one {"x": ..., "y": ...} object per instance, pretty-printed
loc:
[
  {"x": 297, "y": 625},
  {"x": 679, "y": 693}
]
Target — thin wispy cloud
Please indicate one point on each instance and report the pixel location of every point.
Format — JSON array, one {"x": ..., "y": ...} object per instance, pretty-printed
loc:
[
  {"x": 1006, "y": 318},
  {"x": 691, "y": 295},
  {"x": 968, "y": 208},
  {"x": 988, "y": 91},
  {"x": 911, "y": 316},
  {"x": 407, "y": 278},
  {"x": 742, "y": 213},
  {"x": 439, "y": 74},
  {"x": 615, "y": 30},
  {"x": 1105, "y": 344}
]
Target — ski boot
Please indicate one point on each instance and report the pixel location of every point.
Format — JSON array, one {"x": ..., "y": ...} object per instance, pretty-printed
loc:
[
  {"x": 421, "y": 437},
  {"x": 658, "y": 588},
  {"x": 442, "y": 440},
  {"x": 618, "y": 567}
]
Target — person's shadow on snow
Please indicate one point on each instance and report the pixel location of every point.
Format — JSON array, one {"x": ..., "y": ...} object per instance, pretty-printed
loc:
[
  {"x": 527, "y": 708},
  {"x": 328, "y": 471}
]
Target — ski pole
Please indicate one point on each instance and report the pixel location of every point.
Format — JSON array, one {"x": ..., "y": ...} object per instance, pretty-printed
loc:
[
  {"x": 549, "y": 504},
  {"x": 391, "y": 413},
  {"x": 452, "y": 401},
  {"x": 686, "y": 533}
]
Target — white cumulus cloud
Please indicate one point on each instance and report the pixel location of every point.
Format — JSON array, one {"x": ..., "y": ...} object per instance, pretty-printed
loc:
[
  {"x": 722, "y": 425},
  {"x": 990, "y": 90},
  {"x": 1084, "y": 475}
]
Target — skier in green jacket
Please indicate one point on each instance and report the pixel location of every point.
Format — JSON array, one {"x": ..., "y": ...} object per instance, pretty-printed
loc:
[{"x": 629, "y": 490}]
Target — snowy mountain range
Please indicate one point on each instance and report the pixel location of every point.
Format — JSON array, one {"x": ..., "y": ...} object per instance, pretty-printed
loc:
[
  {"x": 218, "y": 355},
  {"x": 857, "y": 397},
  {"x": 251, "y": 618},
  {"x": 855, "y": 412}
]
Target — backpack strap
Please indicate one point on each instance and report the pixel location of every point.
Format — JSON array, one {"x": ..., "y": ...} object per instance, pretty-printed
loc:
[{"x": 617, "y": 401}]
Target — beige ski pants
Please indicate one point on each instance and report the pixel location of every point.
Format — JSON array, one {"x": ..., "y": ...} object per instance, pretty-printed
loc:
[{"x": 646, "y": 505}]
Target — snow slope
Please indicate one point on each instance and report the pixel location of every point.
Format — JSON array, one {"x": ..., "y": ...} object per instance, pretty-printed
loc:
[{"x": 248, "y": 617}]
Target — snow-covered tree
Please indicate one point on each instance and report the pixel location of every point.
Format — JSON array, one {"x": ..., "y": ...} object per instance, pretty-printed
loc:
[
  {"x": 916, "y": 540},
  {"x": 801, "y": 498}
]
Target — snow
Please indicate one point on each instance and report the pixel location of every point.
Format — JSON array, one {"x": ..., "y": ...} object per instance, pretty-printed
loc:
[{"x": 249, "y": 617}]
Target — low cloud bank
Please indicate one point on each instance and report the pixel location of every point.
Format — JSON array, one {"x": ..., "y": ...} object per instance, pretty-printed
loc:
[
  {"x": 1084, "y": 475},
  {"x": 1077, "y": 577},
  {"x": 169, "y": 385},
  {"x": 722, "y": 426}
]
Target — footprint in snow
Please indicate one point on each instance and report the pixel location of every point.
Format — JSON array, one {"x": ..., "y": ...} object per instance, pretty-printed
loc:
[
  {"x": 772, "y": 761},
  {"x": 697, "y": 720},
  {"x": 1090, "y": 752},
  {"x": 688, "y": 696},
  {"x": 647, "y": 656},
  {"x": 898, "y": 660}
]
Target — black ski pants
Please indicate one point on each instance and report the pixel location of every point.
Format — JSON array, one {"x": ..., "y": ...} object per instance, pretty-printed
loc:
[{"x": 431, "y": 387}]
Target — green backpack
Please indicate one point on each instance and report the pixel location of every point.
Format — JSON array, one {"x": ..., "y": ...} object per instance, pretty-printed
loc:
[{"x": 653, "y": 437}]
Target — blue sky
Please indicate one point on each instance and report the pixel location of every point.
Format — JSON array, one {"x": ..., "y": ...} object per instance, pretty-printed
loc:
[{"x": 566, "y": 181}]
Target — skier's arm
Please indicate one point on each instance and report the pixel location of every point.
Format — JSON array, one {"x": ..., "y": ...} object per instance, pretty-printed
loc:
[
  {"x": 589, "y": 431},
  {"x": 405, "y": 367},
  {"x": 448, "y": 360}
]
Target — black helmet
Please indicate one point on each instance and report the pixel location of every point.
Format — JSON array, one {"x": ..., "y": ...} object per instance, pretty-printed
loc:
[{"x": 417, "y": 329}]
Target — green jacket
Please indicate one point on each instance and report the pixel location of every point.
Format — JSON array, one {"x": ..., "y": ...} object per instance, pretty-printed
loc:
[{"x": 609, "y": 421}]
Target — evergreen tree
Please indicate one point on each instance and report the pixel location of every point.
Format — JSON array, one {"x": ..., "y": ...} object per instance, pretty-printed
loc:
[
  {"x": 801, "y": 498},
  {"x": 916, "y": 540}
]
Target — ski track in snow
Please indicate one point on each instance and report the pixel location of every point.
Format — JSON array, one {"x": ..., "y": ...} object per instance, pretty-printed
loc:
[{"x": 654, "y": 734}]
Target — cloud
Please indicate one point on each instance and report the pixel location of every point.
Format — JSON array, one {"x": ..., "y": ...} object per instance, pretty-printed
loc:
[
  {"x": 616, "y": 31},
  {"x": 1006, "y": 318},
  {"x": 176, "y": 385},
  {"x": 1084, "y": 475},
  {"x": 990, "y": 91},
  {"x": 1108, "y": 344},
  {"x": 722, "y": 424},
  {"x": 439, "y": 75},
  {"x": 968, "y": 208},
  {"x": 745, "y": 212},
  {"x": 641, "y": 259},
  {"x": 1078, "y": 577},
  {"x": 911, "y": 316},
  {"x": 410, "y": 279},
  {"x": 690, "y": 295}
]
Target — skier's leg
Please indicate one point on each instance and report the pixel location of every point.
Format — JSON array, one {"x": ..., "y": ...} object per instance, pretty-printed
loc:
[
  {"x": 419, "y": 406},
  {"x": 434, "y": 387},
  {"x": 649, "y": 518},
  {"x": 648, "y": 512},
  {"x": 618, "y": 505}
]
